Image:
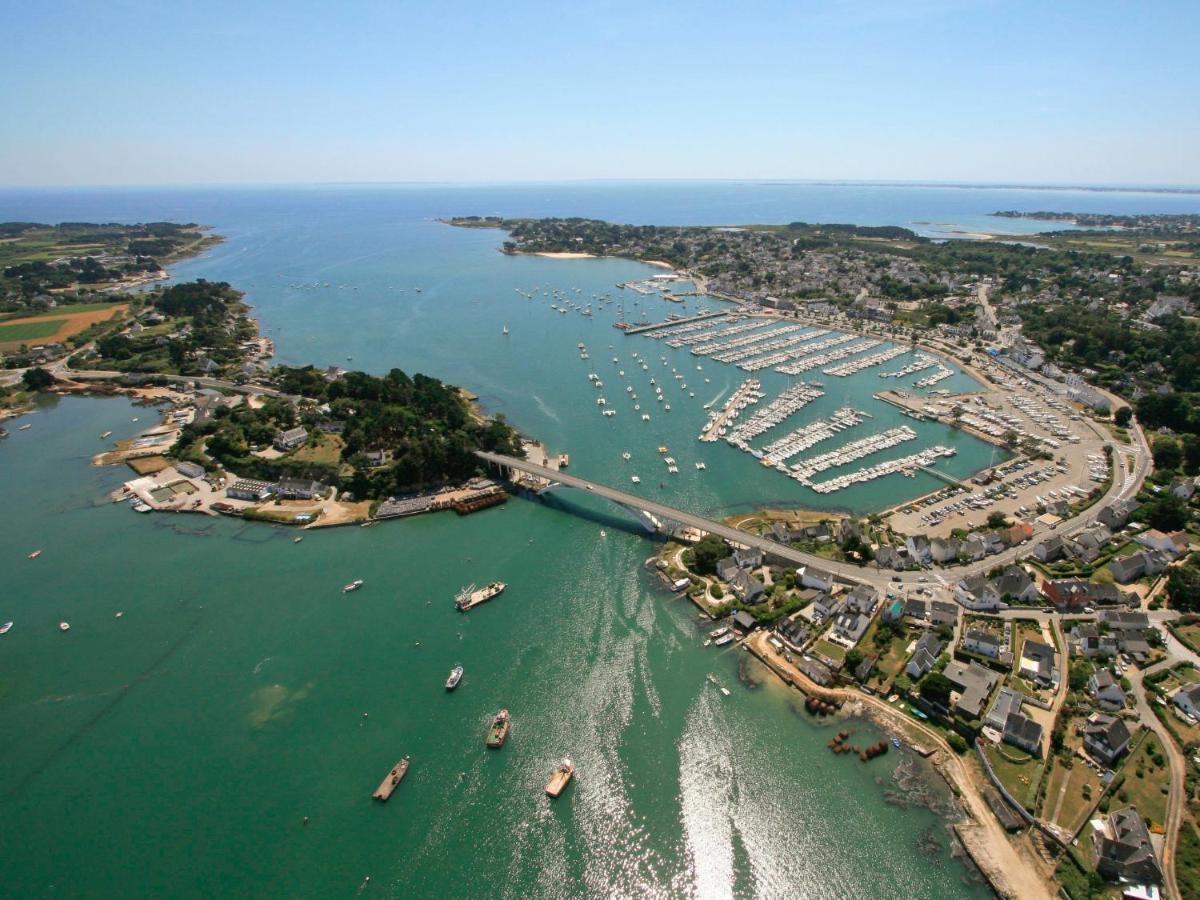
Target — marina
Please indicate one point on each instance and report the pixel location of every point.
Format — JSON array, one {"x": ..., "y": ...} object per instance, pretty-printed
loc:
[
  {"x": 747, "y": 394},
  {"x": 810, "y": 435},
  {"x": 866, "y": 362},
  {"x": 789, "y": 402},
  {"x": 804, "y": 470},
  {"x": 807, "y": 363}
]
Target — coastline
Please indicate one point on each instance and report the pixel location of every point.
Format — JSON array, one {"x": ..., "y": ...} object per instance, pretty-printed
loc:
[{"x": 998, "y": 859}]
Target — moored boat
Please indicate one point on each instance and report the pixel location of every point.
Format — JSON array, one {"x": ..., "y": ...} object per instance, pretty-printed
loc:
[
  {"x": 6, "y": 628},
  {"x": 561, "y": 778},
  {"x": 391, "y": 780},
  {"x": 353, "y": 586},
  {"x": 34, "y": 555},
  {"x": 498, "y": 733},
  {"x": 456, "y": 675},
  {"x": 64, "y": 626}
]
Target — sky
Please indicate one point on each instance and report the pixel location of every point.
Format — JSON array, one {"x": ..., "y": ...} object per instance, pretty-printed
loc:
[{"x": 129, "y": 92}]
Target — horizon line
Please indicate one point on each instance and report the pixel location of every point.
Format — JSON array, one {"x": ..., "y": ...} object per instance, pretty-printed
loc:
[{"x": 1104, "y": 187}]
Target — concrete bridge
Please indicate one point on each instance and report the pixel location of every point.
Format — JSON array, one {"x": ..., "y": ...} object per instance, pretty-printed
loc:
[{"x": 648, "y": 511}]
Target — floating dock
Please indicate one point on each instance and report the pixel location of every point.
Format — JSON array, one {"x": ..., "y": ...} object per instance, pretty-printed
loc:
[{"x": 391, "y": 780}]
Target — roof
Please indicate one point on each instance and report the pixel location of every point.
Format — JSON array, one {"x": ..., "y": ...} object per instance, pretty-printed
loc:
[
  {"x": 1007, "y": 702},
  {"x": 744, "y": 620},
  {"x": 1023, "y": 728},
  {"x": 1108, "y": 730},
  {"x": 975, "y": 683}
]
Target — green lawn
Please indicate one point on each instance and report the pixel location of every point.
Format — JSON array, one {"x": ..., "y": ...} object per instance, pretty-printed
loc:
[
  {"x": 30, "y": 331},
  {"x": 1075, "y": 805},
  {"x": 1144, "y": 782},
  {"x": 1021, "y": 778},
  {"x": 830, "y": 650}
]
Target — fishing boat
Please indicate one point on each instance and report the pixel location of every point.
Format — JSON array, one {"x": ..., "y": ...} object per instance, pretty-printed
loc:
[
  {"x": 456, "y": 675},
  {"x": 6, "y": 628},
  {"x": 391, "y": 780},
  {"x": 353, "y": 586},
  {"x": 560, "y": 778},
  {"x": 498, "y": 733},
  {"x": 64, "y": 626},
  {"x": 34, "y": 555}
]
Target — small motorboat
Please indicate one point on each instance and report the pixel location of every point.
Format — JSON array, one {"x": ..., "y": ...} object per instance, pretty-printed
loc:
[
  {"x": 560, "y": 778},
  {"x": 106, "y": 434},
  {"x": 297, "y": 540},
  {"x": 456, "y": 675},
  {"x": 635, "y": 479},
  {"x": 34, "y": 555},
  {"x": 6, "y": 628},
  {"x": 64, "y": 626},
  {"x": 353, "y": 586},
  {"x": 25, "y": 427}
]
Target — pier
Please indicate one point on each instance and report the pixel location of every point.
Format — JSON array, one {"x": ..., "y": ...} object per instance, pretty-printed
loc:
[
  {"x": 746, "y": 394},
  {"x": 654, "y": 326}
]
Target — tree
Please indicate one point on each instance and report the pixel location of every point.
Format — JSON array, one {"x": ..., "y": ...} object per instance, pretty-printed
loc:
[
  {"x": 708, "y": 552},
  {"x": 937, "y": 688},
  {"x": 1167, "y": 453},
  {"x": 1183, "y": 589},
  {"x": 957, "y": 742},
  {"x": 1166, "y": 513},
  {"x": 1191, "y": 454},
  {"x": 1123, "y": 416},
  {"x": 853, "y": 660},
  {"x": 37, "y": 379},
  {"x": 997, "y": 520}
]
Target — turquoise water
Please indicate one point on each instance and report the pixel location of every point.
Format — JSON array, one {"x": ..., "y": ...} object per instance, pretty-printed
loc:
[{"x": 177, "y": 749}]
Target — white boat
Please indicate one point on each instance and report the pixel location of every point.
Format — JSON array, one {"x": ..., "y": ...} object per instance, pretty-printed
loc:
[
  {"x": 603, "y": 533},
  {"x": 106, "y": 435},
  {"x": 64, "y": 626},
  {"x": 6, "y": 628},
  {"x": 505, "y": 331},
  {"x": 353, "y": 586},
  {"x": 25, "y": 427},
  {"x": 626, "y": 455},
  {"x": 636, "y": 480},
  {"x": 645, "y": 417},
  {"x": 701, "y": 466}
]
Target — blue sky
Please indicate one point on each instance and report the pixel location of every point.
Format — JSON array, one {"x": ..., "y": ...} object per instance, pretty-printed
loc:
[{"x": 175, "y": 92}]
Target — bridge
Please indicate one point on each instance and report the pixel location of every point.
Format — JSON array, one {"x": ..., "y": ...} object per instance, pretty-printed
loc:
[{"x": 644, "y": 508}]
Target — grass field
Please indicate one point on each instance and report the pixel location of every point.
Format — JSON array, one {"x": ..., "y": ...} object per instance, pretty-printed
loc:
[
  {"x": 1144, "y": 782},
  {"x": 830, "y": 650},
  {"x": 327, "y": 449},
  {"x": 1066, "y": 803},
  {"x": 57, "y": 326},
  {"x": 1021, "y": 778},
  {"x": 25, "y": 330}
]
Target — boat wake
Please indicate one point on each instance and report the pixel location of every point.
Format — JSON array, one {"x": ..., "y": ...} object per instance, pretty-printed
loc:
[{"x": 258, "y": 668}]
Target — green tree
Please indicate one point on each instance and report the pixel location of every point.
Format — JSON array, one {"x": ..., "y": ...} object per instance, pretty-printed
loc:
[
  {"x": 937, "y": 688},
  {"x": 996, "y": 520},
  {"x": 1167, "y": 453},
  {"x": 37, "y": 379},
  {"x": 957, "y": 742},
  {"x": 1183, "y": 589},
  {"x": 708, "y": 552},
  {"x": 853, "y": 660},
  {"x": 1165, "y": 512},
  {"x": 1123, "y": 416},
  {"x": 1191, "y": 453}
]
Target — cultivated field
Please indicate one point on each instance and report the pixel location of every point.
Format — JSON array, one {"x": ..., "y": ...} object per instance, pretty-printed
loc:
[{"x": 55, "y": 327}]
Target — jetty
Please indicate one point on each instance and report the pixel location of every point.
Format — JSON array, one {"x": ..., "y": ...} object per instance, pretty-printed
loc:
[
  {"x": 804, "y": 471},
  {"x": 747, "y": 394},
  {"x": 780, "y": 341},
  {"x": 905, "y": 465},
  {"x": 805, "y": 363},
  {"x": 655, "y": 326},
  {"x": 788, "y": 402},
  {"x": 391, "y": 780},
  {"x": 808, "y": 436},
  {"x": 702, "y": 332},
  {"x": 865, "y": 362}
]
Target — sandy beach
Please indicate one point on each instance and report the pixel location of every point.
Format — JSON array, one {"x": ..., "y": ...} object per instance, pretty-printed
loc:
[{"x": 565, "y": 255}]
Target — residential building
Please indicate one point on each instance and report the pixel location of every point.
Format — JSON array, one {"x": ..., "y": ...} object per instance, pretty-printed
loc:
[
  {"x": 1105, "y": 737},
  {"x": 1006, "y": 703},
  {"x": 919, "y": 549},
  {"x": 1122, "y": 849},
  {"x": 928, "y": 649},
  {"x": 1022, "y": 731},
  {"x": 812, "y": 577},
  {"x": 943, "y": 613},
  {"x": 974, "y": 684},
  {"x": 1075, "y": 594},
  {"x": 1037, "y": 663},
  {"x": 1106, "y": 690},
  {"x": 1187, "y": 698},
  {"x": 291, "y": 439},
  {"x": 1117, "y": 514},
  {"x": 300, "y": 489},
  {"x": 747, "y": 588},
  {"x": 982, "y": 642}
]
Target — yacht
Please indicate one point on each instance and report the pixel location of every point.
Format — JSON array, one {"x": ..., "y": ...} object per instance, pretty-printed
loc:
[{"x": 456, "y": 675}]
